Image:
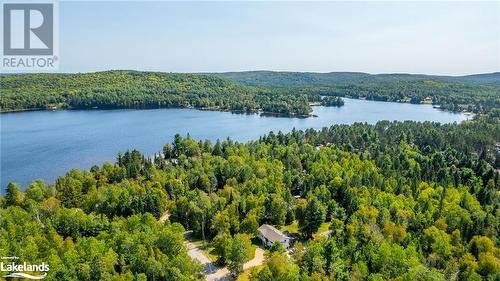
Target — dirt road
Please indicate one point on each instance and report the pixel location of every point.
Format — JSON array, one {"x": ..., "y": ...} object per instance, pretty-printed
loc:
[
  {"x": 257, "y": 260},
  {"x": 213, "y": 272}
]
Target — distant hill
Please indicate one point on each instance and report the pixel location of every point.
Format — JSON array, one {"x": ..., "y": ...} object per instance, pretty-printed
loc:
[
  {"x": 284, "y": 93},
  {"x": 485, "y": 79},
  {"x": 293, "y": 79},
  {"x": 286, "y": 79},
  {"x": 477, "y": 93}
]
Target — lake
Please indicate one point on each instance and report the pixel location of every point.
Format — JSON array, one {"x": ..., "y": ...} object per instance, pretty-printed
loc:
[{"x": 47, "y": 144}]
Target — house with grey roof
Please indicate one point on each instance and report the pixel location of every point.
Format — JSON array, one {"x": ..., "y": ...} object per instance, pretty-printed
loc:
[{"x": 269, "y": 235}]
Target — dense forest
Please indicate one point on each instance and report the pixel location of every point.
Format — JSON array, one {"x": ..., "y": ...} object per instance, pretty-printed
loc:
[
  {"x": 143, "y": 90},
  {"x": 389, "y": 201},
  {"x": 285, "y": 79},
  {"x": 403, "y": 201},
  {"x": 473, "y": 93},
  {"x": 284, "y": 93}
]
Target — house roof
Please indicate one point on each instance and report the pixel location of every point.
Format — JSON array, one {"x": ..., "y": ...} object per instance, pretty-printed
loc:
[{"x": 271, "y": 233}]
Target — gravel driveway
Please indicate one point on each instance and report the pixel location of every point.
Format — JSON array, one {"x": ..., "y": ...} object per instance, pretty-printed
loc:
[{"x": 213, "y": 272}]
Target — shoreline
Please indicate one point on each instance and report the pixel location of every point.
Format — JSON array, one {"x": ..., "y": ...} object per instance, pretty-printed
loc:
[{"x": 237, "y": 111}]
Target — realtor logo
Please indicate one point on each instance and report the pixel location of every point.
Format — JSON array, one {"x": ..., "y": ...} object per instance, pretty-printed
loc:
[
  {"x": 32, "y": 32},
  {"x": 29, "y": 35},
  {"x": 14, "y": 269}
]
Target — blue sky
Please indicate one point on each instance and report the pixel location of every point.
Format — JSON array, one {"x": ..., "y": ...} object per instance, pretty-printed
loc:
[{"x": 451, "y": 38}]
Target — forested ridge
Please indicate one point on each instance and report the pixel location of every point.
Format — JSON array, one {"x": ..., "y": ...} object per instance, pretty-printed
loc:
[
  {"x": 403, "y": 201},
  {"x": 142, "y": 90},
  {"x": 284, "y": 78},
  {"x": 473, "y": 93},
  {"x": 285, "y": 93}
]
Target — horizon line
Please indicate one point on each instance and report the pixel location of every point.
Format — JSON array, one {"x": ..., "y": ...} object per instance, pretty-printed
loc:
[{"x": 258, "y": 70}]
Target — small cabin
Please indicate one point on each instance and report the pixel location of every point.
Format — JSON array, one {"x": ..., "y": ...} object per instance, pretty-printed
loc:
[{"x": 269, "y": 235}]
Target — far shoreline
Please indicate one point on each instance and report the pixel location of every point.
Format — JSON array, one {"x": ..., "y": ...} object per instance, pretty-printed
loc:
[{"x": 250, "y": 112}]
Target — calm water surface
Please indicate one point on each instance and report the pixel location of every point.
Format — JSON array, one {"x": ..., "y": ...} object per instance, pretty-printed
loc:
[{"x": 46, "y": 144}]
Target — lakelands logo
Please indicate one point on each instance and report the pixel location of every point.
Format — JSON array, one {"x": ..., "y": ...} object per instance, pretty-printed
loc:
[
  {"x": 13, "y": 269},
  {"x": 29, "y": 36}
]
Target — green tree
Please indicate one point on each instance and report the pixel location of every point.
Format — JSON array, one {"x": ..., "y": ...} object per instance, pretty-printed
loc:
[
  {"x": 277, "y": 267},
  {"x": 13, "y": 195},
  {"x": 314, "y": 216},
  {"x": 237, "y": 254}
]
